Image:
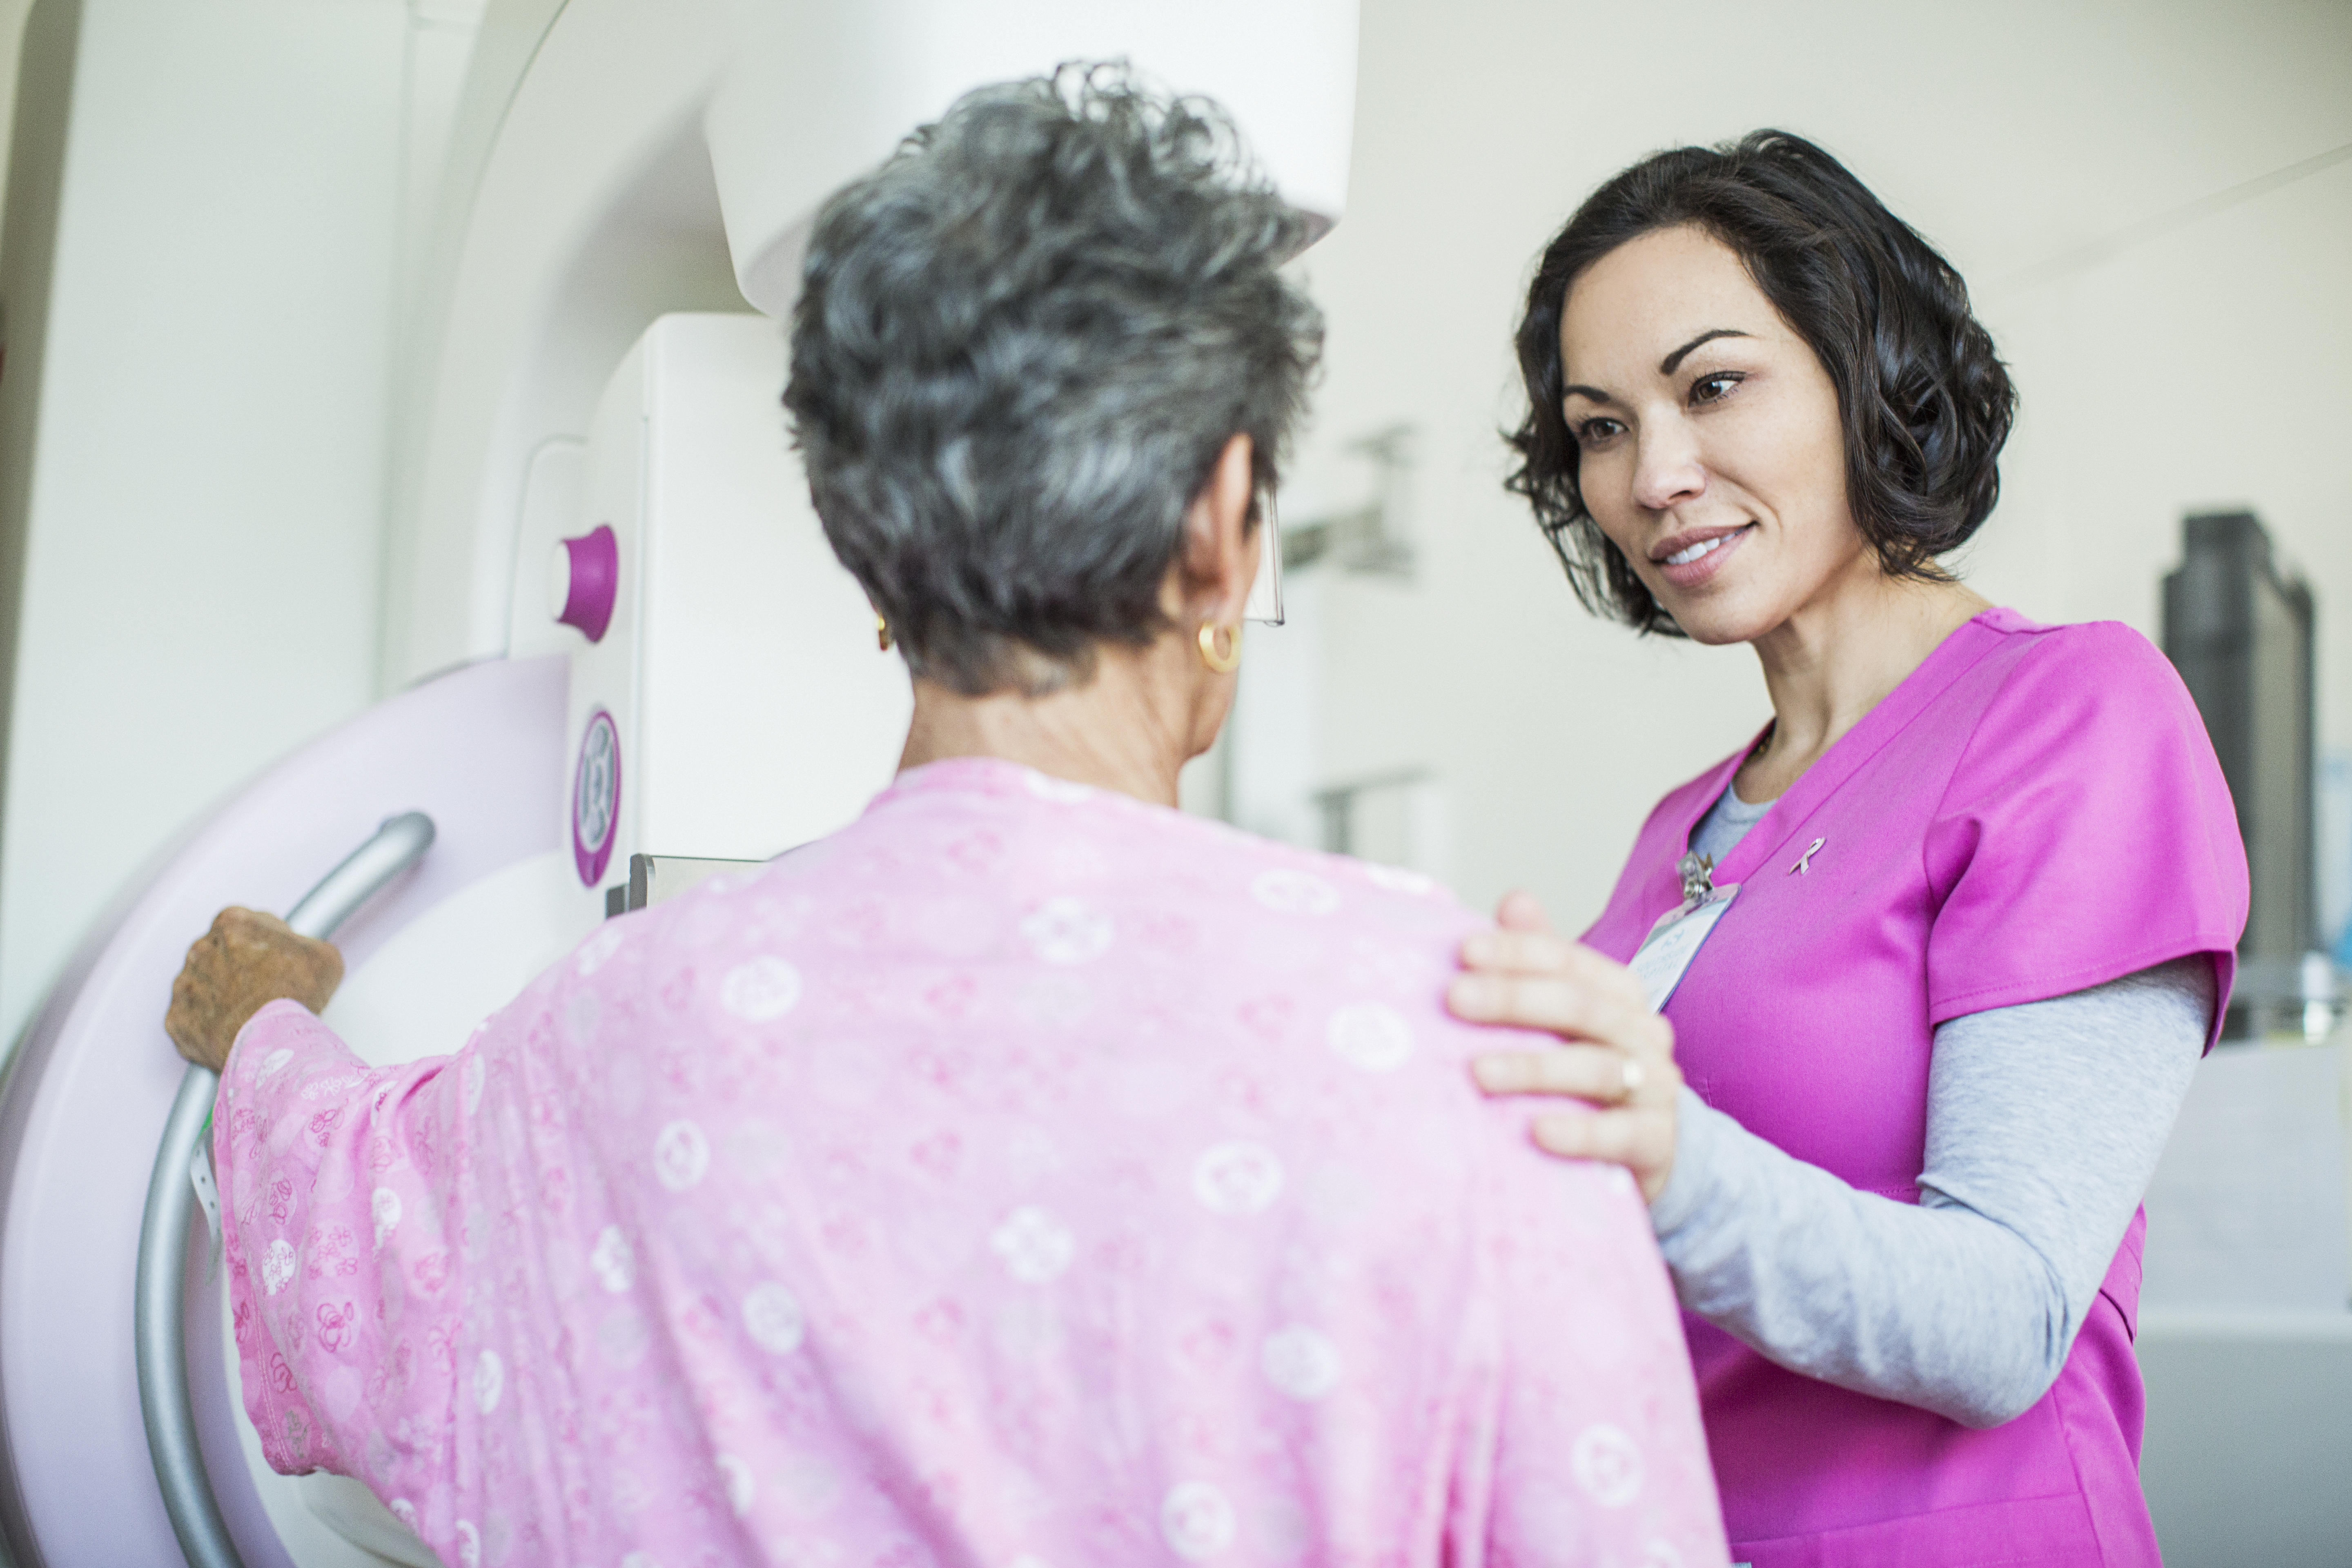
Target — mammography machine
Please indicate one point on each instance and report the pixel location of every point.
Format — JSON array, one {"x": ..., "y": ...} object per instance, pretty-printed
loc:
[{"x": 600, "y": 537}]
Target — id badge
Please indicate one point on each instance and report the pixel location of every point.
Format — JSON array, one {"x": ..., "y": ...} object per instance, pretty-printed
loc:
[{"x": 1675, "y": 941}]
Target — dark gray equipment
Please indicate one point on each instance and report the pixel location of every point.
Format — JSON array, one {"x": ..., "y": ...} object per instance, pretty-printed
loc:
[
  {"x": 2240, "y": 632},
  {"x": 653, "y": 878}
]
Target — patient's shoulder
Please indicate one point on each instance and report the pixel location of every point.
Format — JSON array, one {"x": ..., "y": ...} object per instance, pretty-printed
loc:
[
  {"x": 1003, "y": 894},
  {"x": 993, "y": 832}
]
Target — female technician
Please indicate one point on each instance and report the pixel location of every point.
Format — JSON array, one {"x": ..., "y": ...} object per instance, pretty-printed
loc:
[{"x": 1915, "y": 1072}]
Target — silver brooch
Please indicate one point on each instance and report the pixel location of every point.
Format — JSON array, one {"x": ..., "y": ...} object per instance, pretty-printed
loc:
[{"x": 1697, "y": 872}]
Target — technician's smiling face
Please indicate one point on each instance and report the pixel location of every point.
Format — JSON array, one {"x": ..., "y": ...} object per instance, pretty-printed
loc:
[{"x": 1710, "y": 449}]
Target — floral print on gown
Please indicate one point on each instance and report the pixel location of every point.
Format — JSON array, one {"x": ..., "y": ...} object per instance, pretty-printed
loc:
[{"x": 1023, "y": 1176}]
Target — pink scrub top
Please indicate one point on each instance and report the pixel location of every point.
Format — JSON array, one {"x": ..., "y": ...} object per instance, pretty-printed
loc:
[{"x": 2032, "y": 811}]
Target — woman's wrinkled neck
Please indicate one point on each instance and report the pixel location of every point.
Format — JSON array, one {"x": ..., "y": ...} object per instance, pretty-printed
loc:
[
  {"x": 1827, "y": 666},
  {"x": 1130, "y": 726}
]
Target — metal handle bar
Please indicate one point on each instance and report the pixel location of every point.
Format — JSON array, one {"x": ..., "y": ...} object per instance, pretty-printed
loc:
[{"x": 159, "y": 1314}]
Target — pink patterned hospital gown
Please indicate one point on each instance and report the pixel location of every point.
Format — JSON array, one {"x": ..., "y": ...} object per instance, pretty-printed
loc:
[{"x": 1023, "y": 1177}]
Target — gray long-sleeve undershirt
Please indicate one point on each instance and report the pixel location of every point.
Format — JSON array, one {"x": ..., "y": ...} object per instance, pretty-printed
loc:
[{"x": 2044, "y": 1123}]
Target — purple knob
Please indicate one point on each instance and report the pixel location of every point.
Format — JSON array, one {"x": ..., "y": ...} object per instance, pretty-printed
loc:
[{"x": 588, "y": 581}]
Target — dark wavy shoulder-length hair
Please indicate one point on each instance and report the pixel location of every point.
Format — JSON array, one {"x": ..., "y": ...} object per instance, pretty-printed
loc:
[{"x": 1925, "y": 400}]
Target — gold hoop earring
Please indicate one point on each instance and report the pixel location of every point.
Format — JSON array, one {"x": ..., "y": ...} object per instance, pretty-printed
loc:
[
  {"x": 882, "y": 632},
  {"x": 1222, "y": 663}
]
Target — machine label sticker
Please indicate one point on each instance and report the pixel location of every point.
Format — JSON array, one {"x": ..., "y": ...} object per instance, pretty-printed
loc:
[{"x": 596, "y": 798}]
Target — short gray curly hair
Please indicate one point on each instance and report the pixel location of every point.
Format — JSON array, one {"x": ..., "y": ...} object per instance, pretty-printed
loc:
[{"x": 1019, "y": 348}]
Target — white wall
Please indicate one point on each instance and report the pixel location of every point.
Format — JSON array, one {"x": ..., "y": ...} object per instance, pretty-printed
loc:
[
  {"x": 201, "y": 563},
  {"x": 12, "y": 32},
  {"x": 2169, "y": 355}
]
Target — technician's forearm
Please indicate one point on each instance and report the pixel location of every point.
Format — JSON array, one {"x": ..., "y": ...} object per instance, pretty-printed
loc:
[
  {"x": 2044, "y": 1123},
  {"x": 1938, "y": 1308}
]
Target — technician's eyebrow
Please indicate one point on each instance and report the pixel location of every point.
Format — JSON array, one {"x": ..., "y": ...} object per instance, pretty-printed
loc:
[
  {"x": 1574, "y": 389},
  {"x": 1666, "y": 365}
]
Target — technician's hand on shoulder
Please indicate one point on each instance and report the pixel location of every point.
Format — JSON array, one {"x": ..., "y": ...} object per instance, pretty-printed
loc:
[
  {"x": 1616, "y": 1053},
  {"x": 244, "y": 962}
]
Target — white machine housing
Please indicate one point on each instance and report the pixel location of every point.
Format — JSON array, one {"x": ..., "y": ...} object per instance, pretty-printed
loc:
[
  {"x": 751, "y": 703},
  {"x": 649, "y": 159},
  {"x": 613, "y": 160}
]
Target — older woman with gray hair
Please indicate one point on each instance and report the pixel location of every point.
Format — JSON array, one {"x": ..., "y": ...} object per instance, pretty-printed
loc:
[{"x": 1029, "y": 1173}]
